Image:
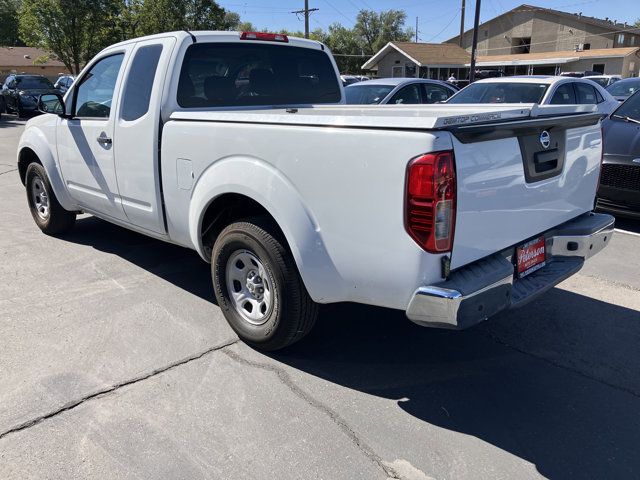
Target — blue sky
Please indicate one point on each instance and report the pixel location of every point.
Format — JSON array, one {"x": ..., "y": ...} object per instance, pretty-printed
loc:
[{"x": 438, "y": 19}]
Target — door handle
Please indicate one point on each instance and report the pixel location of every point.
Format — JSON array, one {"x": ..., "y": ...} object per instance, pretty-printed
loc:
[{"x": 104, "y": 140}]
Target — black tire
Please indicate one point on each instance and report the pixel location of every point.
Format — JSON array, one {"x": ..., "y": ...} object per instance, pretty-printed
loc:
[
  {"x": 57, "y": 220},
  {"x": 291, "y": 313},
  {"x": 19, "y": 111}
]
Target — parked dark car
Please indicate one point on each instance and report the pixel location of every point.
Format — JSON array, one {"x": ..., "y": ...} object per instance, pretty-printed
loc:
[
  {"x": 20, "y": 93},
  {"x": 623, "y": 89},
  {"x": 619, "y": 190},
  {"x": 64, "y": 82}
]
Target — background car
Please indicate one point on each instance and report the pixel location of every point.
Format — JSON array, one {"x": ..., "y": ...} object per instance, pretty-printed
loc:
[
  {"x": 604, "y": 80},
  {"x": 586, "y": 73},
  {"x": 537, "y": 89},
  {"x": 64, "y": 82},
  {"x": 619, "y": 190},
  {"x": 349, "y": 79},
  {"x": 20, "y": 93},
  {"x": 405, "y": 91},
  {"x": 623, "y": 89}
]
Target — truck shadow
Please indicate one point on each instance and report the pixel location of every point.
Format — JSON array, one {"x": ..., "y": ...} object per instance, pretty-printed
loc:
[
  {"x": 565, "y": 400},
  {"x": 555, "y": 383},
  {"x": 179, "y": 266}
]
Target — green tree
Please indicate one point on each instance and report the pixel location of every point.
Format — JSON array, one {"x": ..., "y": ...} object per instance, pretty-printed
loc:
[
  {"x": 9, "y": 23},
  {"x": 346, "y": 47},
  {"x": 155, "y": 16},
  {"x": 74, "y": 30},
  {"x": 375, "y": 29}
]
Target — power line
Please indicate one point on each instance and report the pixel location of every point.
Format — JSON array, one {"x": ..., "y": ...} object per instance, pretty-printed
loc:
[
  {"x": 306, "y": 11},
  {"x": 445, "y": 27}
]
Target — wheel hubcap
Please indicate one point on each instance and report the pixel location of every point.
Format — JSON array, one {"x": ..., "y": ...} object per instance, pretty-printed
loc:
[
  {"x": 249, "y": 287},
  {"x": 40, "y": 198}
]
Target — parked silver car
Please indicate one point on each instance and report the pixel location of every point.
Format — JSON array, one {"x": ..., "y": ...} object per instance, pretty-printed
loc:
[{"x": 405, "y": 91}]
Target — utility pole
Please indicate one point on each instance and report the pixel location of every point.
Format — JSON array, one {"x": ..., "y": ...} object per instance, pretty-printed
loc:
[
  {"x": 416, "y": 29},
  {"x": 474, "y": 44},
  {"x": 306, "y": 11},
  {"x": 461, "y": 23}
]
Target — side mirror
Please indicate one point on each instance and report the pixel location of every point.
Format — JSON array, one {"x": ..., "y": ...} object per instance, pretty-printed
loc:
[{"x": 52, "y": 103}]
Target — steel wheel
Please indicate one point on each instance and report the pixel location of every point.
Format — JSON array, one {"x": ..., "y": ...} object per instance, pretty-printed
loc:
[
  {"x": 249, "y": 286},
  {"x": 40, "y": 198}
]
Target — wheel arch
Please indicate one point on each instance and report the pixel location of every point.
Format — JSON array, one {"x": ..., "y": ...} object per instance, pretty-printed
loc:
[
  {"x": 225, "y": 193},
  {"x": 34, "y": 147}
]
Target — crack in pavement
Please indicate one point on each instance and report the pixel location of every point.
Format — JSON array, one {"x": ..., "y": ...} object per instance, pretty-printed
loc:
[
  {"x": 105, "y": 391},
  {"x": 9, "y": 171},
  {"x": 285, "y": 378},
  {"x": 554, "y": 363}
]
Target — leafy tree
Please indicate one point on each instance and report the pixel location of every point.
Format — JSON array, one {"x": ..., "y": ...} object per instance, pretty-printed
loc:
[
  {"x": 377, "y": 29},
  {"x": 74, "y": 30},
  {"x": 9, "y": 23},
  {"x": 343, "y": 43},
  {"x": 155, "y": 16}
]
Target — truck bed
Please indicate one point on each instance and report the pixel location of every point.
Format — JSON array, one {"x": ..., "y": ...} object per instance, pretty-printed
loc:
[{"x": 423, "y": 117}]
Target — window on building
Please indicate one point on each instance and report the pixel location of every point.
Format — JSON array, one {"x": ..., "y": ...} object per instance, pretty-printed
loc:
[
  {"x": 598, "y": 67},
  {"x": 586, "y": 46},
  {"x": 621, "y": 38},
  {"x": 520, "y": 45},
  {"x": 410, "y": 70},
  {"x": 632, "y": 40}
]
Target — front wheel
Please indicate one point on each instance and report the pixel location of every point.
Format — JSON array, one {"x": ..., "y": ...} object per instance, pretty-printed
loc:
[
  {"x": 45, "y": 209},
  {"x": 258, "y": 287}
]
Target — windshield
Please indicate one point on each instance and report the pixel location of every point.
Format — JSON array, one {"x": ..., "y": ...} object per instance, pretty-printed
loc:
[
  {"x": 630, "y": 108},
  {"x": 500, "y": 92},
  {"x": 600, "y": 81},
  {"x": 624, "y": 88},
  {"x": 366, "y": 94},
  {"x": 25, "y": 83}
]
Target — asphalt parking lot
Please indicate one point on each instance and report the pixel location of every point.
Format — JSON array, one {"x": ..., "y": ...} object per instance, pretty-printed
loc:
[{"x": 116, "y": 363}]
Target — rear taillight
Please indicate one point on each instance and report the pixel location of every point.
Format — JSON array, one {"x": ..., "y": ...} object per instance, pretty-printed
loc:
[
  {"x": 266, "y": 37},
  {"x": 430, "y": 209}
]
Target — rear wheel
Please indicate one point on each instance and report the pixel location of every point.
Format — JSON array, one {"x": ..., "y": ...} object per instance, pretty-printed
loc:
[
  {"x": 45, "y": 209},
  {"x": 258, "y": 287}
]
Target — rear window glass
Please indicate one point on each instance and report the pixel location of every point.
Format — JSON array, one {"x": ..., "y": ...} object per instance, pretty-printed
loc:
[
  {"x": 500, "y": 92},
  {"x": 366, "y": 94},
  {"x": 241, "y": 74}
]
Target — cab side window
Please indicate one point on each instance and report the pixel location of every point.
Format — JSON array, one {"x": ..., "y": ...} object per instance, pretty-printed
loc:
[
  {"x": 564, "y": 95},
  {"x": 139, "y": 83},
  {"x": 95, "y": 90}
]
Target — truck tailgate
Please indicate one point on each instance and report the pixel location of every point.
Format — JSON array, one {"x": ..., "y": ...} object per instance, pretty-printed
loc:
[{"x": 516, "y": 180}]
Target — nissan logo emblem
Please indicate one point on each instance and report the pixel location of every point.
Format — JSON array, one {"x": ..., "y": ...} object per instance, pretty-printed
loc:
[{"x": 545, "y": 139}]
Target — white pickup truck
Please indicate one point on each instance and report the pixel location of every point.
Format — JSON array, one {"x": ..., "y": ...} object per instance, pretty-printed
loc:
[{"x": 237, "y": 145}]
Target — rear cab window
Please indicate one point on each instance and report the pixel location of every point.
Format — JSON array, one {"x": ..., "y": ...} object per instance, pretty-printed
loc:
[{"x": 244, "y": 74}]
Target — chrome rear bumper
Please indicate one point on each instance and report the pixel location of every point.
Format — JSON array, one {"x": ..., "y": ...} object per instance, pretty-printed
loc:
[{"x": 488, "y": 286}]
